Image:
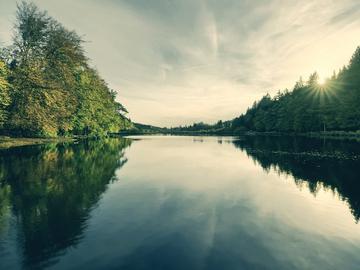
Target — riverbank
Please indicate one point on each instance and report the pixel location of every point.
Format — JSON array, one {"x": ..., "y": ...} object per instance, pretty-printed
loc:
[
  {"x": 335, "y": 134},
  {"x": 9, "y": 142},
  {"x": 345, "y": 135},
  {"x": 353, "y": 135}
]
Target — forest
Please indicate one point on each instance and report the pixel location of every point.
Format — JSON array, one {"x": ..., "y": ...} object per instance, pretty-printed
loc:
[
  {"x": 310, "y": 106},
  {"x": 47, "y": 86}
]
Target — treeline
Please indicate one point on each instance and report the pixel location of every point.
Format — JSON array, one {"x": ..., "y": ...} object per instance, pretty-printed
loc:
[
  {"x": 48, "y": 88},
  {"x": 309, "y": 107}
]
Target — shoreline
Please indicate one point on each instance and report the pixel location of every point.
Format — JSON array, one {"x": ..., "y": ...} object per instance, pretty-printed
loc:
[
  {"x": 10, "y": 142},
  {"x": 340, "y": 135}
]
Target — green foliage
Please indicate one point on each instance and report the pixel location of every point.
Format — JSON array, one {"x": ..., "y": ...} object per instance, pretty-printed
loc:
[
  {"x": 4, "y": 92},
  {"x": 54, "y": 92}
]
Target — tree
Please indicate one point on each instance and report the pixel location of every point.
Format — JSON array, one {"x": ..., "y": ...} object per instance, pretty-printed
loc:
[
  {"x": 4, "y": 92},
  {"x": 54, "y": 90},
  {"x": 313, "y": 79}
]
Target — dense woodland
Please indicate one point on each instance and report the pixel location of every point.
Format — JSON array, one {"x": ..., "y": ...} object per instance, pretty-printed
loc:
[
  {"x": 48, "y": 88},
  {"x": 310, "y": 106}
]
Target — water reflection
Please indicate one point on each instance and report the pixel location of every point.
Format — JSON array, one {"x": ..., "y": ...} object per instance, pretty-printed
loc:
[
  {"x": 50, "y": 191},
  {"x": 333, "y": 164},
  {"x": 182, "y": 203}
]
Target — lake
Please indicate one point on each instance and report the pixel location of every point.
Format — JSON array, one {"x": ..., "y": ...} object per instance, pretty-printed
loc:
[{"x": 167, "y": 202}]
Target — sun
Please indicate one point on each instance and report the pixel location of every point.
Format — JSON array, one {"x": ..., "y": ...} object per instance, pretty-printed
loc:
[{"x": 322, "y": 81}]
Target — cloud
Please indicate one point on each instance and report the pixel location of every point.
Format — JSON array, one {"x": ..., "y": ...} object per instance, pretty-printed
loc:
[
  {"x": 175, "y": 62},
  {"x": 348, "y": 15}
]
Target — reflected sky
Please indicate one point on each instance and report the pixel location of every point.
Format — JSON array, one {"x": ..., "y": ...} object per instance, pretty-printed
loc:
[{"x": 202, "y": 203}]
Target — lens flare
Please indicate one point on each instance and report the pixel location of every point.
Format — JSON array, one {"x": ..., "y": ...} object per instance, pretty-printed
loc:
[{"x": 322, "y": 81}]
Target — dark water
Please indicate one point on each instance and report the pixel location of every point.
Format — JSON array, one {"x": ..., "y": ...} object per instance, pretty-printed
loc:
[{"x": 181, "y": 203}]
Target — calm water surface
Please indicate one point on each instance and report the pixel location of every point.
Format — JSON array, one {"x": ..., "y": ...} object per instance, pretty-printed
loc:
[{"x": 181, "y": 203}]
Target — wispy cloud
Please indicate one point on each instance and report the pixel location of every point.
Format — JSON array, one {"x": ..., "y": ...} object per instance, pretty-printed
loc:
[{"x": 174, "y": 62}]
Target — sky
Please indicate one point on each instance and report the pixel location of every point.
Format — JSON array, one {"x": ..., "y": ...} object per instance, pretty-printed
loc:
[{"x": 175, "y": 62}]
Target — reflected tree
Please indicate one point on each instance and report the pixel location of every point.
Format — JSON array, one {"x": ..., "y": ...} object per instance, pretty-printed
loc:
[
  {"x": 317, "y": 163},
  {"x": 51, "y": 190}
]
